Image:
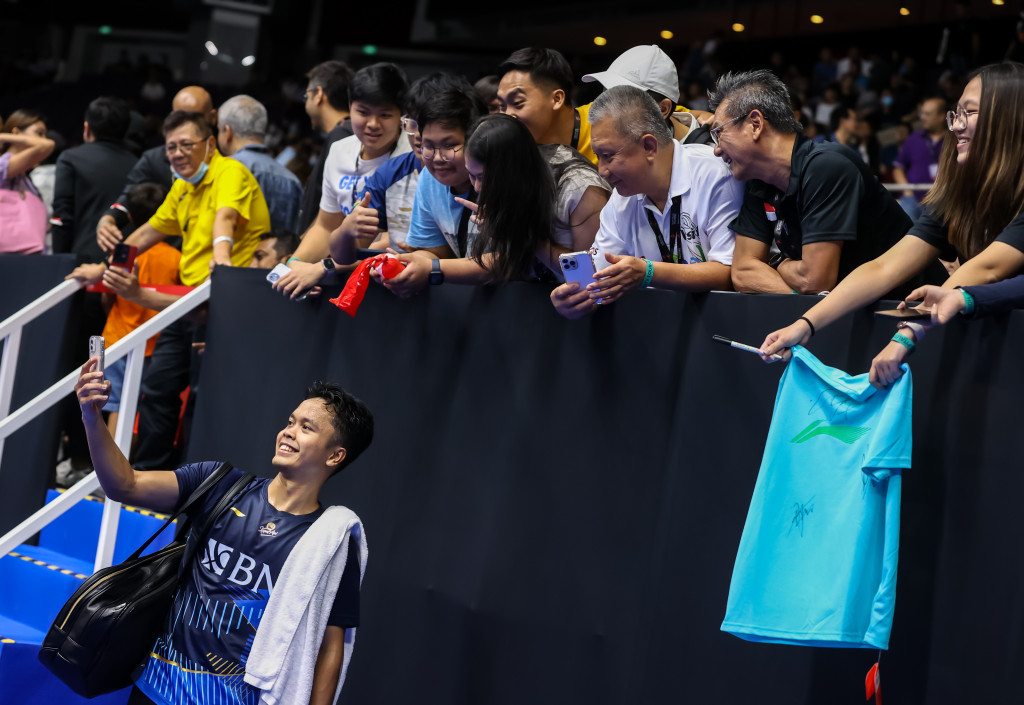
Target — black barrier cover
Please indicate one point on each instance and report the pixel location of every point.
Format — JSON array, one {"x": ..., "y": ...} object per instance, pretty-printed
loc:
[
  {"x": 553, "y": 507},
  {"x": 30, "y": 453}
]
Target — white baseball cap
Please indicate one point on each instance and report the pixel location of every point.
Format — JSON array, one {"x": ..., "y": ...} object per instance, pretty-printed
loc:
[{"x": 646, "y": 67}]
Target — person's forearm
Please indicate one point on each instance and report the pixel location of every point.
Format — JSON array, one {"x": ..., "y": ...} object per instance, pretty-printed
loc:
[
  {"x": 756, "y": 277},
  {"x": 863, "y": 286},
  {"x": 144, "y": 237},
  {"x": 699, "y": 277},
  {"x": 802, "y": 277},
  {"x": 996, "y": 298},
  {"x": 153, "y": 300},
  {"x": 344, "y": 246},
  {"x": 116, "y": 476},
  {"x": 315, "y": 244},
  {"x": 464, "y": 271}
]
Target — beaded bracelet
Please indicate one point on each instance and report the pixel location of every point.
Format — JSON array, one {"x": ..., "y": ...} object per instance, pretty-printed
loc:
[{"x": 648, "y": 276}]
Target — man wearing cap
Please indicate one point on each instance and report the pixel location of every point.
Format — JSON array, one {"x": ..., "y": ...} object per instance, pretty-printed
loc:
[
  {"x": 649, "y": 68},
  {"x": 667, "y": 223}
]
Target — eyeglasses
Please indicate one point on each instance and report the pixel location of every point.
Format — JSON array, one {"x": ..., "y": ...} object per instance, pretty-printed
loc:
[
  {"x": 185, "y": 146},
  {"x": 311, "y": 91},
  {"x": 445, "y": 153},
  {"x": 958, "y": 117},
  {"x": 717, "y": 131},
  {"x": 410, "y": 126}
]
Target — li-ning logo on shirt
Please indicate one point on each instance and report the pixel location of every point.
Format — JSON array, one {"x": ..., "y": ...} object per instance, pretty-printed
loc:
[
  {"x": 268, "y": 529},
  {"x": 846, "y": 434},
  {"x": 836, "y": 407}
]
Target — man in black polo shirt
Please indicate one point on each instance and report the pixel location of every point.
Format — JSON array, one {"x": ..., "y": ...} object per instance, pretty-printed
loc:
[{"x": 818, "y": 203}]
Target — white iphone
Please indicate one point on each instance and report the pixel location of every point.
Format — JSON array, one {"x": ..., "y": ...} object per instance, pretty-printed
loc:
[{"x": 97, "y": 348}]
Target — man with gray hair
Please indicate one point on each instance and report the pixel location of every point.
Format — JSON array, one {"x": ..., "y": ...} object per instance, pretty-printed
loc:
[
  {"x": 240, "y": 133},
  {"x": 818, "y": 203},
  {"x": 667, "y": 223}
]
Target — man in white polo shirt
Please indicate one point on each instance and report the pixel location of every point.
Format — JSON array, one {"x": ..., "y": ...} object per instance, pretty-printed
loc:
[{"x": 667, "y": 223}]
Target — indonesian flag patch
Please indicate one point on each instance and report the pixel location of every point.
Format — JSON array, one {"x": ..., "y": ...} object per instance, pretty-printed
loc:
[{"x": 769, "y": 211}]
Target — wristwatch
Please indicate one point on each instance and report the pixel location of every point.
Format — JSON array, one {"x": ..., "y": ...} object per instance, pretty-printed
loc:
[
  {"x": 328, "y": 264},
  {"x": 436, "y": 275}
]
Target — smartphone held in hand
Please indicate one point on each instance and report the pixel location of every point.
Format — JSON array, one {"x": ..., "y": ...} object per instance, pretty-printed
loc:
[{"x": 97, "y": 348}]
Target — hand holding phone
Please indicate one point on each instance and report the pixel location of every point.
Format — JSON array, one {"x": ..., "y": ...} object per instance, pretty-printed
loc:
[
  {"x": 578, "y": 267},
  {"x": 124, "y": 256}
]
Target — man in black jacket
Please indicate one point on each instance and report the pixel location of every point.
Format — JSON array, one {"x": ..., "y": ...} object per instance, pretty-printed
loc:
[{"x": 88, "y": 177}]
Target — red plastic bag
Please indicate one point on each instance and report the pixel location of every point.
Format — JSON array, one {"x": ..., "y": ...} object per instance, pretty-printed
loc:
[{"x": 355, "y": 288}]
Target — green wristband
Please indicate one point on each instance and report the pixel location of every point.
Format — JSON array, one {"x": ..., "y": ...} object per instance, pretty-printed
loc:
[
  {"x": 968, "y": 303},
  {"x": 904, "y": 341},
  {"x": 648, "y": 276},
  {"x": 292, "y": 259}
]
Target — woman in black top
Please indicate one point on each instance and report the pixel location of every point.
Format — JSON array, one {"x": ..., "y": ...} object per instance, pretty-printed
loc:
[{"x": 973, "y": 212}]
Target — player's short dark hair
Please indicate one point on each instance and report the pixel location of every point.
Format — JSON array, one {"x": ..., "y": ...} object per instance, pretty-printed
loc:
[
  {"x": 334, "y": 77},
  {"x": 380, "y": 84},
  {"x": 108, "y": 119},
  {"x": 142, "y": 200},
  {"x": 177, "y": 118},
  {"x": 286, "y": 242},
  {"x": 545, "y": 66},
  {"x": 353, "y": 422}
]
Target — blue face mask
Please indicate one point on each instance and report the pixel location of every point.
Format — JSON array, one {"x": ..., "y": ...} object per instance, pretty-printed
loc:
[{"x": 200, "y": 172}]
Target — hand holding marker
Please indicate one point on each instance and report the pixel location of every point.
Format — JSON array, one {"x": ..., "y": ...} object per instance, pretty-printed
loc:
[{"x": 741, "y": 346}]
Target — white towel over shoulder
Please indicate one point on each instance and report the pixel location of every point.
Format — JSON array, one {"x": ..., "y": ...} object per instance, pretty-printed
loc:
[{"x": 288, "y": 640}]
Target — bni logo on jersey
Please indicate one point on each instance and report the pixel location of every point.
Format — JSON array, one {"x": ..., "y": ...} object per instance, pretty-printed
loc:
[{"x": 268, "y": 529}]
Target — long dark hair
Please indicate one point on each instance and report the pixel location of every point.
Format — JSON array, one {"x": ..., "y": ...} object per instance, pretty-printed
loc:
[
  {"x": 976, "y": 200},
  {"x": 516, "y": 197}
]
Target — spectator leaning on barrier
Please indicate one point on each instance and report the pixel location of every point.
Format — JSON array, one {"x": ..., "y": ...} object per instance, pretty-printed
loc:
[
  {"x": 152, "y": 167},
  {"x": 819, "y": 203},
  {"x": 649, "y": 68},
  {"x": 328, "y": 109},
  {"x": 535, "y": 202},
  {"x": 536, "y": 87},
  {"x": 275, "y": 248},
  {"x": 381, "y": 219},
  {"x": 218, "y": 209},
  {"x": 241, "y": 130},
  {"x": 974, "y": 212},
  {"x": 375, "y": 97},
  {"x": 661, "y": 187},
  {"x": 442, "y": 225},
  {"x": 918, "y": 159},
  {"x": 89, "y": 177}
]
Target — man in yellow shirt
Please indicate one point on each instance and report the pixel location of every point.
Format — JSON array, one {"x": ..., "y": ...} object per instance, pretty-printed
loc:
[{"x": 217, "y": 207}]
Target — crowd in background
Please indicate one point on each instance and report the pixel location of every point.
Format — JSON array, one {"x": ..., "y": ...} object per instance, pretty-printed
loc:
[{"x": 677, "y": 175}]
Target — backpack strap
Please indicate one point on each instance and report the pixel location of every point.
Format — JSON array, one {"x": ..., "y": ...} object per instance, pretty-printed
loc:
[
  {"x": 197, "y": 494},
  {"x": 195, "y": 539}
]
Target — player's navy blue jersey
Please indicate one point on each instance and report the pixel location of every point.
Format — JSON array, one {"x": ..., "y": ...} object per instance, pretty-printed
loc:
[{"x": 201, "y": 656}]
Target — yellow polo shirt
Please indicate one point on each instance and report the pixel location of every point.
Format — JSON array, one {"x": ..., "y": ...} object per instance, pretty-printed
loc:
[
  {"x": 190, "y": 210},
  {"x": 583, "y": 146}
]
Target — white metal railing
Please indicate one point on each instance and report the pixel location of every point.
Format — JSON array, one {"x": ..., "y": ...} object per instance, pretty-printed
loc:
[{"x": 133, "y": 345}]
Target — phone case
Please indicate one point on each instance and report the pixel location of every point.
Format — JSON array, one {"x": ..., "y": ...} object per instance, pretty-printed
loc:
[
  {"x": 577, "y": 267},
  {"x": 97, "y": 348}
]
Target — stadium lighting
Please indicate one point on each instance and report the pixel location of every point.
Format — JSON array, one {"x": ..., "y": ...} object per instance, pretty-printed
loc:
[
  {"x": 667, "y": 34},
  {"x": 904, "y": 11},
  {"x": 249, "y": 60},
  {"x": 738, "y": 27},
  {"x": 600, "y": 41},
  {"x": 817, "y": 19},
  {"x": 212, "y": 48}
]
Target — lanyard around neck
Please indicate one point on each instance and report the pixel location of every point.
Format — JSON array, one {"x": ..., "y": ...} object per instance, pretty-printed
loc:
[{"x": 673, "y": 251}]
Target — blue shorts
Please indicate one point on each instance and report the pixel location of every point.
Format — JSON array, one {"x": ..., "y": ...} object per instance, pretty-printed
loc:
[{"x": 114, "y": 373}]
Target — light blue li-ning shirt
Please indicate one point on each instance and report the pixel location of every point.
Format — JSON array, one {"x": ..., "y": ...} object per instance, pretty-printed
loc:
[{"x": 816, "y": 564}]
